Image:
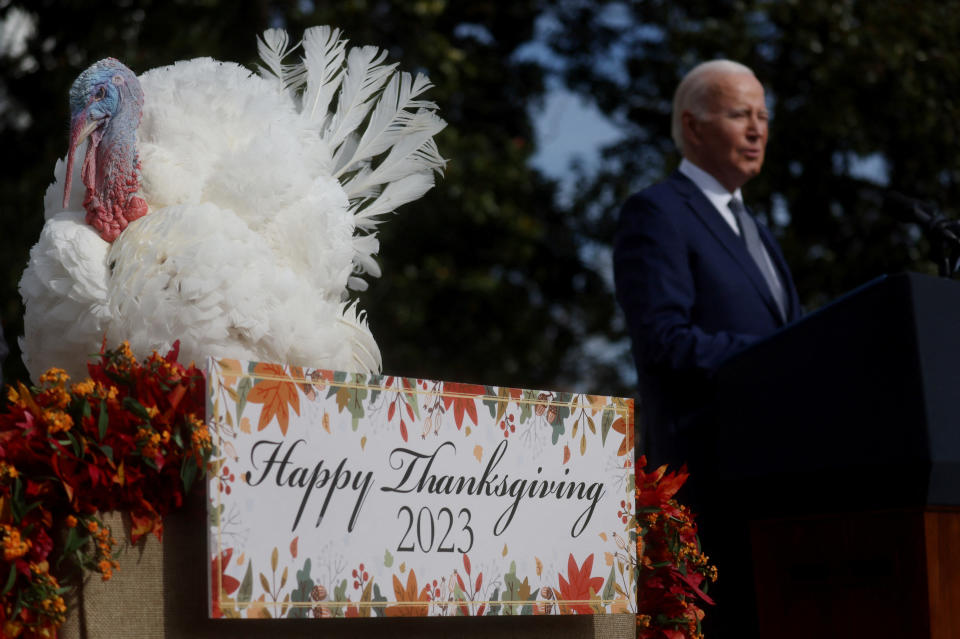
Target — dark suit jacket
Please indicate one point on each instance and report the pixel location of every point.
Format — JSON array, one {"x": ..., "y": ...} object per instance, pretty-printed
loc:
[{"x": 692, "y": 296}]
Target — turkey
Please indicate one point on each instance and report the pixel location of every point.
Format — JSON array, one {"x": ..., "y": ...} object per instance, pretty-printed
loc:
[{"x": 228, "y": 210}]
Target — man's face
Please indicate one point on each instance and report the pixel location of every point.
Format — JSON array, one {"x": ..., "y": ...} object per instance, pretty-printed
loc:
[{"x": 729, "y": 143}]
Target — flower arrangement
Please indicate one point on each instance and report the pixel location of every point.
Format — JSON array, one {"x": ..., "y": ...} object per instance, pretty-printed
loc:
[
  {"x": 130, "y": 438},
  {"x": 672, "y": 568}
]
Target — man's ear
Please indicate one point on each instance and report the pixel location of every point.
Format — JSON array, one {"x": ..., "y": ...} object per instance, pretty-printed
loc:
[{"x": 690, "y": 128}]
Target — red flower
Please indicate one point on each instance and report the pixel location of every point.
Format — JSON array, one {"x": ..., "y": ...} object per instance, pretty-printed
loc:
[
  {"x": 462, "y": 398},
  {"x": 578, "y": 588}
]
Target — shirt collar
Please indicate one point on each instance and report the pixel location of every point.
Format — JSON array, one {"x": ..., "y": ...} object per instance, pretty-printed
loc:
[{"x": 709, "y": 185}]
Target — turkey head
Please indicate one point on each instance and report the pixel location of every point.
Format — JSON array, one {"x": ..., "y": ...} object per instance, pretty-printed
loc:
[{"x": 106, "y": 103}]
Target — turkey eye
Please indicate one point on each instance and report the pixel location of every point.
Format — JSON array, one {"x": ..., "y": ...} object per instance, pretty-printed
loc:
[{"x": 101, "y": 93}]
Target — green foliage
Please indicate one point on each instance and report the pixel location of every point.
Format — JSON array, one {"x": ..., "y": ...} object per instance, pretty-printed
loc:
[
  {"x": 852, "y": 84},
  {"x": 483, "y": 278},
  {"x": 302, "y": 593}
]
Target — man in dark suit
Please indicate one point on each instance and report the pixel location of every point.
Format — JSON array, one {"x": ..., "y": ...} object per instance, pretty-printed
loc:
[{"x": 698, "y": 279}]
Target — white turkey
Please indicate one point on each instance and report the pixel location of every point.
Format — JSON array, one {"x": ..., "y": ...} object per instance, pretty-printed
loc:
[{"x": 232, "y": 212}]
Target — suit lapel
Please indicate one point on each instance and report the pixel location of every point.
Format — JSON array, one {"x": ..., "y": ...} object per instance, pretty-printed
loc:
[{"x": 730, "y": 241}]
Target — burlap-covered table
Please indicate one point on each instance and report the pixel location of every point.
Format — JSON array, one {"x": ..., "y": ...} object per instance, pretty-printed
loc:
[{"x": 159, "y": 592}]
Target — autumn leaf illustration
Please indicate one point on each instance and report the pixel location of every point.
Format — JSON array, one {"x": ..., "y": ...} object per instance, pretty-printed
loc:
[
  {"x": 576, "y": 589},
  {"x": 230, "y": 370},
  {"x": 222, "y": 584},
  {"x": 406, "y": 595},
  {"x": 278, "y": 394},
  {"x": 626, "y": 446},
  {"x": 463, "y": 399}
]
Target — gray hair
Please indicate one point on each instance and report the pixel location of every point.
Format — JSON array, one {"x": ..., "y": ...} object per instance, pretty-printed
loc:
[{"x": 692, "y": 92}]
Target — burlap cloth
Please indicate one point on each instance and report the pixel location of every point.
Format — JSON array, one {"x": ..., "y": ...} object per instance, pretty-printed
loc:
[{"x": 159, "y": 592}]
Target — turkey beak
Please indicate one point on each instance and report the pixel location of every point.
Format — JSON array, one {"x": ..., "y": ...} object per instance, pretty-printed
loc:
[{"x": 81, "y": 126}]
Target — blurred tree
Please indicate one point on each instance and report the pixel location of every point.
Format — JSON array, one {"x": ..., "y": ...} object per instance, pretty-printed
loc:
[
  {"x": 483, "y": 279},
  {"x": 863, "y": 97}
]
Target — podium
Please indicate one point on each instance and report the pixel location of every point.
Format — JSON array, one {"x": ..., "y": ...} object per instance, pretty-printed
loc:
[{"x": 841, "y": 433}]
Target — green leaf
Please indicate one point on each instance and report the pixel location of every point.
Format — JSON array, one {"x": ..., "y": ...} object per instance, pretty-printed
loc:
[
  {"x": 188, "y": 472},
  {"x": 339, "y": 594},
  {"x": 494, "y": 608},
  {"x": 74, "y": 541},
  {"x": 526, "y": 406},
  {"x": 246, "y": 587},
  {"x": 611, "y": 582},
  {"x": 107, "y": 451},
  {"x": 215, "y": 515},
  {"x": 379, "y": 598},
  {"x": 302, "y": 593},
  {"x": 75, "y": 444},
  {"x": 11, "y": 579},
  {"x": 605, "y": 423},
  {"x": 387, "y": 558},
  {"x": 103, "y": 420},
  {"x": 491, "y": 402},
  {"x": 243, "y": 389},
  {"x": 558, "y": 429},
  {"x": 135, "y": 407}
]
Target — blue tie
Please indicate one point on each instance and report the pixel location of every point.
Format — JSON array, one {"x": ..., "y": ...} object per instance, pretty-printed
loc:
[{"x": 748, "y": 227}]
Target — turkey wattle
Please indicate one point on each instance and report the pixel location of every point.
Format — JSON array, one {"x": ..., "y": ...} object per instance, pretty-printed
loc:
[{"x": 227, "y": 210}]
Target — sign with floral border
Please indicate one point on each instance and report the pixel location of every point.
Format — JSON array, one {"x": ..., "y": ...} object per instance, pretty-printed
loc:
[{"x": 334, "y": 494}]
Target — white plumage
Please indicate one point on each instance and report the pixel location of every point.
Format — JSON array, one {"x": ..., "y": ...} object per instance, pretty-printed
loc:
[{"x": 263, "y": 195}]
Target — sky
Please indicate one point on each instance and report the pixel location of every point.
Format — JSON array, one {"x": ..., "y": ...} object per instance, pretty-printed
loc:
[{"x": 569, "y": 126}]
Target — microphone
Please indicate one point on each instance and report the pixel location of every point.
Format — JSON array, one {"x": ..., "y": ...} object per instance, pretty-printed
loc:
[{"x": 909, "y": 209}]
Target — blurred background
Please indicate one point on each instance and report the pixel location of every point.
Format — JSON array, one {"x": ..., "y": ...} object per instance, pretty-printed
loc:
[{"x": 557, "y": 111}]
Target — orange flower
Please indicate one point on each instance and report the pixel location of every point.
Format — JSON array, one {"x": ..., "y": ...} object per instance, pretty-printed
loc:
[
  {"x": 13, "y": 546},
  {"x": 58, "y": 422},
  {"x": 105, "y": 567},
  {"x": 71, "y": 521},
  {"x": 54, "y": 376}
]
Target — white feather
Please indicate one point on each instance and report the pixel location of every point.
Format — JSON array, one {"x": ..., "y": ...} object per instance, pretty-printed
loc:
[
  {"x": 390, "y": 120},
  {"x": 322, "y": 70},
  {"x": 413, "y": 153},
  {"x": 365, "y": 76},
  {"x": 273, "y": 47}
]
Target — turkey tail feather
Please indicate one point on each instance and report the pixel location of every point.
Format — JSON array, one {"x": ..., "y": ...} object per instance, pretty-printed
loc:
[
  {"x": 391, "y": 119},
  {"x": 273, "y": 48},
  {"x": 322, "y": 69},
  {"x": 365, "y": 76}
]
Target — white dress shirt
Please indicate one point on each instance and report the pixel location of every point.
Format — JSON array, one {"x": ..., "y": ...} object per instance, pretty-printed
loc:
[{"x": 720, "y": 198}]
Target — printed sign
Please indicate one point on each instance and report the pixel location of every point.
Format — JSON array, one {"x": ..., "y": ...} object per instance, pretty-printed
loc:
[{"x": 344, "y": 495}]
